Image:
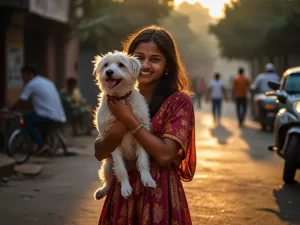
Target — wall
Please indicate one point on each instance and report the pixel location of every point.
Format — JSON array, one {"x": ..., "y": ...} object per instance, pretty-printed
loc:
[
  {"x": 51, "y": 58},
  {"x": 71, "y": 57},
  {"x": 14, "y": 36},
  {"x": 44, "y": 43},
  {"x": 86, "y": 79}
]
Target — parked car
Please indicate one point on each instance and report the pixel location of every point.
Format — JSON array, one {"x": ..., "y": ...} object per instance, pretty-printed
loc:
[{"x": 287, "y": 122}]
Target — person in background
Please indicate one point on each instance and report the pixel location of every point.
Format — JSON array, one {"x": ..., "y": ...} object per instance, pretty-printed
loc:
[
  {"x": 47, "y": 106},
  {"x": 201, "y": 89},
  {"x": 216, "y": 92},
  {"x": 73, "y": 92},
  {"x": 78, "y": 110},
  {"x": 194, "y": 87},
  {"x": 240, "y": 88},
  {"x": 260, "y": 84}
]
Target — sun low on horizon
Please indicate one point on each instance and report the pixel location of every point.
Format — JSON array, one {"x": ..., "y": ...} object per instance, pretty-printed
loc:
[{"x": 215, "y": 7}]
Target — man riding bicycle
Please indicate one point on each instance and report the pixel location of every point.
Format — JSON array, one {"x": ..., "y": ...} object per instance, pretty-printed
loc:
[{"x": 44, "y": 97}]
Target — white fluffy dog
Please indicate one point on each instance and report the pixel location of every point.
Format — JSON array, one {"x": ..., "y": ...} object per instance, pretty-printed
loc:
[{"x": 117, "y": 74}]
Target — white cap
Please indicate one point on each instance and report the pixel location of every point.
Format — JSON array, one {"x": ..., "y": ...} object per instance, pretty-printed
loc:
[{"x": 270, "y": 67}]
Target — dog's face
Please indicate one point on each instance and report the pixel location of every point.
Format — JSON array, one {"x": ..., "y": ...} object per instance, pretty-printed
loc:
[{"x": 116, "y": 71}]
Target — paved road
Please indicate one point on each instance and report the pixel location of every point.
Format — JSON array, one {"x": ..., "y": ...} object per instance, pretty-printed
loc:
[{"x": 237, "y": 182}]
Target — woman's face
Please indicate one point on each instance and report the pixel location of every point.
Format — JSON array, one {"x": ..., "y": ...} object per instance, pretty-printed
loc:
[{"x": 153, "y": 63}]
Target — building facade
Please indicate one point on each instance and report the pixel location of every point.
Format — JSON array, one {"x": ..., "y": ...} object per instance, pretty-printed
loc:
[{"x": 36, "y": 32}]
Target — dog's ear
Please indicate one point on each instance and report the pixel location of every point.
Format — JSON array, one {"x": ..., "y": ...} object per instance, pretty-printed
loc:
[
  {"x": 135, "y": 64},
  {"x": 96, "y": 63}
]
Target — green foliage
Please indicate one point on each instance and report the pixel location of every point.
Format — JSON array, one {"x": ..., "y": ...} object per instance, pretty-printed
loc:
[
  {"x": 254, "y": 28},
  {"x": 108, "y": 22}
]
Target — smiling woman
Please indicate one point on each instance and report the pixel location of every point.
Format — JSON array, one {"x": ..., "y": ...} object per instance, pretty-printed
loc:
[{"x": 215, "y": 6}]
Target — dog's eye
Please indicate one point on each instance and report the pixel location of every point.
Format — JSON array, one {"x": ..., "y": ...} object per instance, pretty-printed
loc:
[
  {"x": 121, "y": 65},
  {"x": 106, "y": 64}
]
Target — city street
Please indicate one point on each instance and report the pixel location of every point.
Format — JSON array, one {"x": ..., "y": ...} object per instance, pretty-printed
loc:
[{"x": 238, "y": 181}]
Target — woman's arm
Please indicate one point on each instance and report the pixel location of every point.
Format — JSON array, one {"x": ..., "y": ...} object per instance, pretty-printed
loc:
[
  {"x": 104, "y": 146},
  {"x": 177, "y": 131},
  {"x": 164, "y": 151}
]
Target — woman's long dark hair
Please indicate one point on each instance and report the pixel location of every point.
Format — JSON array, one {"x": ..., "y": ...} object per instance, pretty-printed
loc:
[{"x": 176, "y": 78}]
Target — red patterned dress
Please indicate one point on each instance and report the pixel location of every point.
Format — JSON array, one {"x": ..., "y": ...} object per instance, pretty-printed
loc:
[{"x": 165, "y": 205}]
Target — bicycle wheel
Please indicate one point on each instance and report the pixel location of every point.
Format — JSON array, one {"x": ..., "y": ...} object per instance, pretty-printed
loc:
[
  {"x": 19, "y": 146},
  {"x": 52, "y": 141},
  {"x": 56, "y": 140}
]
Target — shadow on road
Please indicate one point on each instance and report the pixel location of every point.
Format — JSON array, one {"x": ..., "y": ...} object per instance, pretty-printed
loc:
[
  {"x": 258, "y": 142},
  {"x": 221, "y": 133},
  {"x": 288, "y": 200}
]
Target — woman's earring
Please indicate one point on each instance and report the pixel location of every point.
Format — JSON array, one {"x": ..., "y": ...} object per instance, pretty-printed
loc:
[{"x": 166, "y": 73}]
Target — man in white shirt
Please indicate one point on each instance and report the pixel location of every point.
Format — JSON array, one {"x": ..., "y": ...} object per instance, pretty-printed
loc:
[
  {"x": 216, "y": 91},
  {"x": 260, "y": 84},
  {"x": 43, "y": 95}
]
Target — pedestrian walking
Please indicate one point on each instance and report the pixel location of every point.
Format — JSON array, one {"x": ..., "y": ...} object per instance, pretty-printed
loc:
[
  {"x": 195, "y": 90},
  {"x": 216, "y": 92},
  {"x": 199, "y": 88},
  {"x": 240, "y": 88},
  {"x": 171, "y": 144}
]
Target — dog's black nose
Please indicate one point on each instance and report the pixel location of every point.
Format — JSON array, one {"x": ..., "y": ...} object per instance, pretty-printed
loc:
[{"x": 109, "y": 73}]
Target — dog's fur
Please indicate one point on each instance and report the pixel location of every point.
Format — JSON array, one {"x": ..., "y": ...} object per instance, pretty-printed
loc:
[{"x": 125, "y": 68}]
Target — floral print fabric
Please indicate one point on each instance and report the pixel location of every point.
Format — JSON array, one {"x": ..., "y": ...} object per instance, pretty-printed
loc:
[{"x": 166, "y": 204}]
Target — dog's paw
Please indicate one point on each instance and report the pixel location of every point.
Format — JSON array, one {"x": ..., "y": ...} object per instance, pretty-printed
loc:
[
  {"x": 126, "y": 189},
  {"x": 147, "y": 179},
  {"x": 100, "y": 193}
]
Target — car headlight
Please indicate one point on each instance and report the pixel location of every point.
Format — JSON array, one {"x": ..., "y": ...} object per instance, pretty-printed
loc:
[{"x": 296, "y": 106}]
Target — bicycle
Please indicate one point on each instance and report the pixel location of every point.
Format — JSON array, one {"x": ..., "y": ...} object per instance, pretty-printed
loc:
[{"x": 21, "y": 146}]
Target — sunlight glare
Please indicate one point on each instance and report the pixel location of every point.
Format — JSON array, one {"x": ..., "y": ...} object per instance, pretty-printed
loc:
[{"x": 215, "y": 6}]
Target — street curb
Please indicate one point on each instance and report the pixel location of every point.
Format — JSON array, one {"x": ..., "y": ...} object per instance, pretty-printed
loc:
[
  {"x": 7, "y": 165},
  {"x": 28, "y": 169}
]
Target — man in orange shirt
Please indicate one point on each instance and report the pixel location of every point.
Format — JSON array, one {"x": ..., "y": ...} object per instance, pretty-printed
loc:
[{"x": 240, "y": 88}]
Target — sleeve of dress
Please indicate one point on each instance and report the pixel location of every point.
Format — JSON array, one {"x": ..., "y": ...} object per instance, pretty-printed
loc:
[{"x": 179, "y": 126}]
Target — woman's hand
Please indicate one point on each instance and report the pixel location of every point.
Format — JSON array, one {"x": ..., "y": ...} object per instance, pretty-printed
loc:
[
  {"x": 104, "y": 146},
  {"x": 121, "y": 111},
  {"x": 118, "y": 129}
]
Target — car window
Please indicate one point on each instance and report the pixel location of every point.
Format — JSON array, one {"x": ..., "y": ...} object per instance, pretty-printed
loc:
[{"x": 292, "y": 83}]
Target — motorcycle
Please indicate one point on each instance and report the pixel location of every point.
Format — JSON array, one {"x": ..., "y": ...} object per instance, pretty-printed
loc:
[
  {"x": 265, "y": 109},
  {"x": 287, "y": 127}
]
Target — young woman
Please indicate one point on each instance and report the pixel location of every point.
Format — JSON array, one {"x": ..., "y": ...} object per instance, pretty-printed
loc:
[{"x": 170, "y": 144}]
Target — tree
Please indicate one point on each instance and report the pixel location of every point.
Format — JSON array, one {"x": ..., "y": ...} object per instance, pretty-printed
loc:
[
  {"x": 257, "y": 28},
  {"x": 109, "y": 22}
]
